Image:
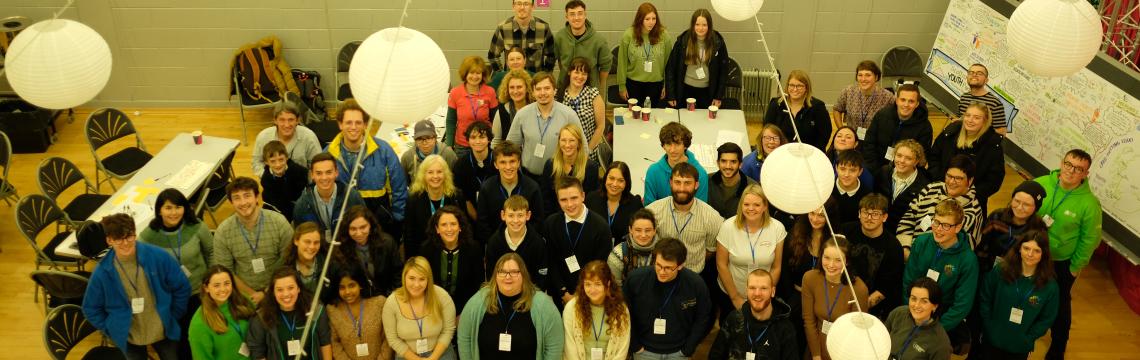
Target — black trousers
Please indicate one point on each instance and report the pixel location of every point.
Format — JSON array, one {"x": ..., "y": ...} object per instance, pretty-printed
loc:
[
  {"x": 639, "y": 90},
  {"x": 1060, "y": 329},
  {"x": 702, "y": 95},
  {"x": 989, "y": 352}
]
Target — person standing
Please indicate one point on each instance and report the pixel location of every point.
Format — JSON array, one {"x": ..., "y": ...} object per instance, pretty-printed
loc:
[
  {"x": 135, "y": 311},
  {"x": 454, "y": 257},
  {"x": 727, "y": 185},
  {"x": 698, "y": 64},
  {"x": 859, "y": 102},
  {"x": 807, "y": 113},
  {"x": 218, "y": 328},
  {"x": 495, "y": 191},
  {"x": 425, "y": 333},
  {"x": 684, "y": 217},
  {"x": 915, "y": 332},
  {"x": 487, "y": 326},
  {"x": 876, "y": 254},
  {"x": 300, "y": 142},
  {"x": 277, "y": 329},
  {"x": 596, "y": 319},
  {"x": 582, "y": 237},
  {"x": 426, "y": 145},
  {"x": 747, "y": 241},
  {"x": 1073, "y": 216},
  {"x": 944, "y": 255},
  {"x": 977, "y": 77},
  {"x": 675, "y": 140},
  {"x": 470, "y": 102},
  {"x": 642, "y": 53},
  {"x": 973, "y": 137},
  {"x": 381, "y": 181},
  {"x": 357, "y": 333},
  {"x": 906, "y": 119},
  {"x": 1018, "y": 299},
  {"x": 284, "y": 179},
  {"x": 519, "y": 237},
  {"x": 322, "y": 202},
  {"x": 828, "y": 294},
  {"x": 431, "y": 190},
  {"x": 588, "y": 103},
  {"x": 533, "y": 136},
  {"x": 615, "y": 201},
  {"x": 525, "y": 31},
  {"x": 636, "y": 249},
  {"x": 579, "y": 39}
]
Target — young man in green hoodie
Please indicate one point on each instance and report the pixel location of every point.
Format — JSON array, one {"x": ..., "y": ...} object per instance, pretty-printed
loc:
[
  {"x": 944, "y": 255},
  {"x": 1074, "y": 218},
  {"x": 578, "y": 38}
]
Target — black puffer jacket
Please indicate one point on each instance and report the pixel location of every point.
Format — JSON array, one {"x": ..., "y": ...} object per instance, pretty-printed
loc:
[{"x": 675, "y": 67}]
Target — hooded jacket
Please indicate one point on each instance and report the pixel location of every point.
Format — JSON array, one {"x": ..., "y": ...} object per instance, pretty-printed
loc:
[
  {"x": 957, "y": 269},
  {"x": 986, "y": 152},
  {"x": 658, "y": 175},
  {"x": 1075, "y": 232},
  {"x": 717, "y": 67},
  {"x": 590, "y": 45},
  {"x": 778, "y": 341},
  {"x": 886, "y": 129},
  {"x": 380, "y": 174}
]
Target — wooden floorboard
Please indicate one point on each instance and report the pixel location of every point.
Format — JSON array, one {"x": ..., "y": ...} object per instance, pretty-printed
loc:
[{"x": 1103, "y": 326}]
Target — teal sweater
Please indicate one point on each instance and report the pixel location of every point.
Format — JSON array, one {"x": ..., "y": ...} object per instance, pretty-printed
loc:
[
  {"x": 658, "y": 175},
  {"x": 957, "y": 269},
  {"x": 631, "y": 58},
  {"x": 209, "y": 345},
  {"x": 543, "y": 315},
  {"x": 1076, "y": 221},
  {"x": 1000, "y": 297},
  {"x": 194, "y": 254}
]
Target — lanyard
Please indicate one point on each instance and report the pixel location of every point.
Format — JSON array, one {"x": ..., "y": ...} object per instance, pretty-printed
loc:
[
  {"x": 751, "y": 243},
  {"x": 129, "y": 280},
  {"x": 538, "y": 121},
  {"x": 253, "y": 246},
  {"x": 680, "y": 229},
  {"x": 357, "y": 322},
  {"x": 910, "y": 337},
  {"x": 648, "y": 49},
  {"x": 573, "y": 244},
  {"x": 612, "y": 214},
  {"x": 291, "y": 325},
  {"x": 1028, "y": 294},
  {"x": 601, "y": 325},
  {"x": 1056, "y": 189},
  {"x": 748, "y": 334},
  {"x": 831, "y": 305},
  {"x": 237, "y": 326},
  {"x": 419, "y": 320},
  {"x": 474, "y": 106},
  {"x": 507, "y": 329},
  {"x": 432, "y": 204},
  {"x": 1011, "y": 239},
  {"x": 178, "y": 250},
  {"x": 667, "y": 297}
]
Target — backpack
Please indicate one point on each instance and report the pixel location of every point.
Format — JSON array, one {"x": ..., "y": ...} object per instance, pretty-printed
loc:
[
  {"x": 261, "y": 71},
  {"x": 311, "y": 95}
]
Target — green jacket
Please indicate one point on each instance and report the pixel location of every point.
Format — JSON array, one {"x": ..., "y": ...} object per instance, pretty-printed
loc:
[
  {"x": 957, "y": 274},
  {"x": 1000, "y": 297},
  {"x": 1075, "y": 232},
  {"x": 545, "y": 317},
  {"x": 590, "y": 46},
  {"x": 631, "y": 58},
  {"x": 207, "y": 344},
  {"x": 195, "y": 246}
]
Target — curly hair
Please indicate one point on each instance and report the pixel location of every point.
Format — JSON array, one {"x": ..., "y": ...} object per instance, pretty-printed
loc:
[{"x": 613, "y": 305}]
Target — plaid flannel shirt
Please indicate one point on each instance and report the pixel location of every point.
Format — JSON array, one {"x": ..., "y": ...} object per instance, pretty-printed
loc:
[{"x": 537, "y": 41}]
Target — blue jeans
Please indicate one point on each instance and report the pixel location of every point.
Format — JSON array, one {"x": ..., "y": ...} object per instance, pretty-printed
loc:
[
  {"x": 166, "y": 349},
  {"x": 647, "y": 355}
]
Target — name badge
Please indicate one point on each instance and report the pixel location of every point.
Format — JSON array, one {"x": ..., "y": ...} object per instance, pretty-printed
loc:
[
  {"x": 421, "y": 346},
  {"x": 1048, "y": 219},
  {"x": 243, "y": 350},
  {"x": 137, "y": 305},
  {"x": 294, "y": 347},
  {"x": 647, "y": 66},
  {"x": 504, "y": 342},
  {"x": 861, "y": 132},
  {"x": 749, "y": 356},
  {"x": 362, "y": 349},
  {"x": 700, "y": 72},
  {"x": 1015, "y": 315},
  {"x": 659, "y": 326},
  {"x": 539, "y": 150},
  {"x": 185, "y": 271},
  {"x": 890, "y": 156},
  {"x": 933, "y": 275},
  {"x": 596, "y": 353},
  {"x": 826, "y": 328},
  {"x": 572, "y": 264},
  {"x": 258, "y": 265}
]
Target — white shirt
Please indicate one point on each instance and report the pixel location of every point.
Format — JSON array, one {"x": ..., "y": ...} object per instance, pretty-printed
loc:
[
  {"x": 901, "y": 184},
  {"x": 581, "y": 219},
  {"x": 848, "y": 193},
  {"x": 749, "y": 251}
]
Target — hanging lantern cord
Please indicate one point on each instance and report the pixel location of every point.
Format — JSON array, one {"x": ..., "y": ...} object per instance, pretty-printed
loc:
[{"x": 36, "y": 35}]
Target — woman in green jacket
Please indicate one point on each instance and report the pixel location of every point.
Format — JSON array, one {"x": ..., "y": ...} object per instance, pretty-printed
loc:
[
  {"x": 1019, "y": 298},
  {"x": 644, "y": 48},
  {"x": 532, "y": 329},
  {"x": 218, "y": 328}
]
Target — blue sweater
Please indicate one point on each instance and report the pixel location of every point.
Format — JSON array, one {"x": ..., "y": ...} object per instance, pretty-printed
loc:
[
  {"x": 658, "y": 175},
  {"x": 381, "y": 173},
  {"x": 106, "y": 304}
]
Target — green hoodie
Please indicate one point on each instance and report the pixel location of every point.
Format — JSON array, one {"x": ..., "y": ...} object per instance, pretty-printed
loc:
[
  {"x": 957, "y": 269},
  {"x": 1075, "y": 232},
  {"x": 1000, "y": 297},
  {"x": 631, "y": 58},
  {"x": 590, "y": 45}
]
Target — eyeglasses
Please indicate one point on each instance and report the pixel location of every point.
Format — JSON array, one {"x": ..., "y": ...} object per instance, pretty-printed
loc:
[
  {"x": 425, "y": 138},
  {"x": 954, "y": 178},
  {"x": 522, "y": 3},
  {"x": 666, "y": 268},
  {"x": 770, "y": 138},
  {"x": 797, "y": 86},
  {"x": 1070, "y": 167},
  {"x": 1015, "y": 203},
  {"x": 508, "y": 273},
  {"x": 944, "y": 226},
  {"x": 125, "y": 240},
  {"x": 976, "y": 73},
  {"x": 873, "y": 215}
]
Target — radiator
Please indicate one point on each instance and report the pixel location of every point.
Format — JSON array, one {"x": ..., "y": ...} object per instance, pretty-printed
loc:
[{"x": 757, "y": 87}]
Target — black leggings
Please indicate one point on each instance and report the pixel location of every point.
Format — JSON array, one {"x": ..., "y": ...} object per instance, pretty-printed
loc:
[{"x": 639, "y": 90}]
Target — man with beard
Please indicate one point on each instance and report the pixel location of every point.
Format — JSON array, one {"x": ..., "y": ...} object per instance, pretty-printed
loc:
[
  {"x": 686, "y": 218},
  {"x": 760, "y": 329},
  {"x": 726, "y": 185},
  {"x": 977, "y": 77},
  {"x": 252, "y": 241},
  {"x": 876, "y": 255}
]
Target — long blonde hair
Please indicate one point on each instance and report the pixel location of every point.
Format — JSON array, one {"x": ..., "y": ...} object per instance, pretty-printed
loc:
[
  {"x": 419, "y": 183},
  {"x": 752, "y": 189},
  {"x": 524, "y": 301},
  {"x": 579, "y": 162},
  {"x": 240, "y": 306},
  {"x": 966, "y": 141},
  {"x": 420, "y": 265}
]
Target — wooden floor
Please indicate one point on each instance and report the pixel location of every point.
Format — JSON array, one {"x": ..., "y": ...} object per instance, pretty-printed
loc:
[{"x": 1103, "y": 326}]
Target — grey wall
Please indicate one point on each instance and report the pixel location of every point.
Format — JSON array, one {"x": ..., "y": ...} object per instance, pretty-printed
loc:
[{"x": 177, "y": 53}]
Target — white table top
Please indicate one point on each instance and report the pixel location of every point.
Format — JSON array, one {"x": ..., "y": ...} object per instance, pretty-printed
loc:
[
  {"x": 636, "y": 142},
  {"x": 400, "y": 135},
  {"x": 181, "y": 164}
]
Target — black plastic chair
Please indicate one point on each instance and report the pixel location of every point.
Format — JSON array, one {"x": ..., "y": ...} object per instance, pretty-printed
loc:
[
  {"x": 7, "y": 190},
  {"x": 61, "y": 287},
  {"x": 901, "y": 64},
  {"x": 105, "y": 126},
  {"x": 56, "y": 175},
  {"x": 65, "y": 327},
  {"x": 247, "y": 102},
  {"x": 733, "y": 86},
  {"x": 343, "y": 60},
  {"x": 36, "y": 212},
  {"x": 613, "y": 92},
  {"x": 213, "y": 195}
]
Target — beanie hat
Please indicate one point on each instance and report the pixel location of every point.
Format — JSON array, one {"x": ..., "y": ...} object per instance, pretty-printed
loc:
[{"x": 1034, "y": 190}]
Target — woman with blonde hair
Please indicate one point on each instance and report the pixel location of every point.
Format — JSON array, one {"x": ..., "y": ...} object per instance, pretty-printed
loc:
[
  {"x": 419, "y": 317},
  {"x": 973, "y": 136},
  {"x": 748, "y": 241},
  {"x": 901, "y": 180},
  {"x": 432, "y": 188},
  {"x": 217, "y": 330},
  {"x": 469, "y": 102},
  {"x": 569, "y": 160},
  {"x": 531, "y": 329},
  {"x": 809, "y": 114},
  {"x": 596, "y": 319},
  {"x": 514, "y": 93}
]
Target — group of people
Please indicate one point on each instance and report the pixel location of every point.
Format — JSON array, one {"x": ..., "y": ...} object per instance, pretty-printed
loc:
[{"x": 439, "y": 249}]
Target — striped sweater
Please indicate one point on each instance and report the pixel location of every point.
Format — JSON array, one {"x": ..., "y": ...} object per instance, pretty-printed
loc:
[{"x": 912, "y": 222}]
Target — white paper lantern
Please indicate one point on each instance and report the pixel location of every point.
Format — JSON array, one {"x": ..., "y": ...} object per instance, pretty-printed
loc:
[
  {"x": 399, "y": 75},
  {"x": 1054, "y": 37},
  {"x": 858, "y": 336},
  {"x": 58, "y": 64},
  {"x": 797, "y": 178},
  {"x": 737, "y": 10}
]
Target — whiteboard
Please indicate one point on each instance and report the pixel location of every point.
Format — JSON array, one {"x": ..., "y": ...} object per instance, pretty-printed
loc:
[{"x": 1048, "y": 116}]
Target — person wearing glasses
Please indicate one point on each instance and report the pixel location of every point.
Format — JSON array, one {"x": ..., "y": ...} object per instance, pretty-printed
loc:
[
  {"x": 136, "y": 311},
  {"x": 769, "y": 138},
  {"x": 971, "y": 136},
  {"x": 1004, "y": 224},
  {"x": 426, "y": 145},
  {"x": 1073, "y": 216},
  {"x": 977, "y": 77},
  {"x": 419, "y": 317},
  {"x": 876, "y": 255},
  {"x": 945, "y": 256},
  {"x": 529, "y": 33},
  {"x": 959, "y": 185},
  {"x": 669, "y": 305},
  {"x": 915, "y": 332},
  {"x": 470, "y": 102},
  {"x": 808, "y": 113},
  {"x": 509, "y": 319}
]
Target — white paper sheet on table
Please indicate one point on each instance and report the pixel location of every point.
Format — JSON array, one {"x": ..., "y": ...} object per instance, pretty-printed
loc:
[
  {"x": 706, "y": 154},
  {"x": 726, "y": 136},
  {"x": 189, "y": 175}
]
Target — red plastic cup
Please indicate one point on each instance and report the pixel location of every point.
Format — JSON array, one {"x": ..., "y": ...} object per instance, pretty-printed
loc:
[
  {"x": 645, "y": 114},
  {"x": 712, "y": 112},
  {"x": 197, "y": 137},
  {"x": 691, "y": 104},
  {"x": 635, "y": 112}
]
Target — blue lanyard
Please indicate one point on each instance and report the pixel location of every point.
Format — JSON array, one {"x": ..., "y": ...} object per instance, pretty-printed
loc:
[
  {"x": 752, "y": 244},
  {"x": 667, "y": 297},
  {"x": 909, "y": 338},
  {"x": 601, "y": 325},
  {"x": 573, "y": 244},
  {"x": 178, "y": 250},
  {"x": 1056, "y": 189},
  {"x": 1028, "y": 294},
  {"x": 612, "y": 214},
  {"x": 474, "y": 106},
  {"x": 506, "y": 329},
  {"x": 291, "y": 325},
  {"x": 237, "y": 326},
  {"x": 538, "y": 121},
  {"x": 1011, "y": 239},
  {"x": 748, "y": 334},
  {"x": 432, "y": 204},
  {"x": 681, "y": 228},
  {"x": 253, "y": 246},
  {"x": 357, "y": 322},
  {"x": 830, "y": 305},
  {"x": 420, "y": 320},
  {"x": 814, "y": 259},
  {"x": 648, "y": 50},
  {"x": 129, "y": 280}
]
